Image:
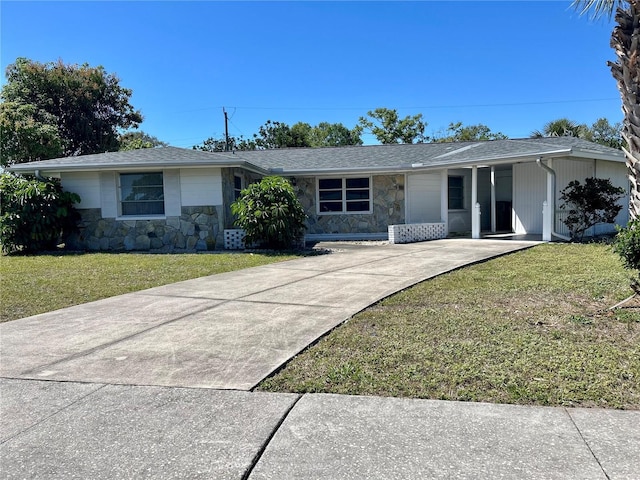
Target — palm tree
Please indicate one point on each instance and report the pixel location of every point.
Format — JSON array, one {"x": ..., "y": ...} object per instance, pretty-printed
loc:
[
  {"x": 562, "y": 127},
  {"x": 625, "y": 40}
]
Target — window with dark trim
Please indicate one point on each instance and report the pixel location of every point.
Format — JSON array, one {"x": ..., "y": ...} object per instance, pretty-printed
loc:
[
  {"x": 344, "y": 195},
  {"x": 141, "y": 194},
  {"x": 456, "y": 193}
]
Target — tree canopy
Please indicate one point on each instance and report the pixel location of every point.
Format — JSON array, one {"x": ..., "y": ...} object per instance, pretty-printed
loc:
[
  {"x": 53, "y": 109},
  {"x": 389, "y": 128},
  {"x": 601, "y": 131},
  {"x": 457, "y": 132},
  {"x": 135, "y": 140}
]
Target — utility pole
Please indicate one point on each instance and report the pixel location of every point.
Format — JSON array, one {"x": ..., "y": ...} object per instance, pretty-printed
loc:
[{"x": 226, "y": 130}]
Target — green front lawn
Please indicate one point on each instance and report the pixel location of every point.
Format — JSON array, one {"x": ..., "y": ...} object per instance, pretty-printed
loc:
[
  {"x": 35, "y": 284},
  {"x": 533, "y": 327}
]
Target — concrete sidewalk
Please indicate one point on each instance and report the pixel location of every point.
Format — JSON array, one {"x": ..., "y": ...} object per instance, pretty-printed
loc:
[
  {"x": 65, "y": 430},
  {"x": 114, "y": 403}
]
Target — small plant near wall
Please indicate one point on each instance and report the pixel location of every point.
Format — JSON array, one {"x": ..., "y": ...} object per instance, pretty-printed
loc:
[
  {"x": 270, "y": 214},
  {"x": 588, "y": 204},
  {"x": 34, "y": 214}
]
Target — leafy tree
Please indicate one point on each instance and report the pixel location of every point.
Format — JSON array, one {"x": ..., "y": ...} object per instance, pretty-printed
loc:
[
  {"x": 590, "y": 204},
  {"x": 626, "y": 71},
  {"x": 270, "y": 214},
  {"x": 85, "y": 105},
  {"x": 281, "y": 135},
  {"x": 604, "y": 133},
  {"x": 212, "y": 144},
  {"x": 34, "y": 213},
  {"x": 388, "y": 128},
  {"x": 27, "y": 134},
  {"x": 139, "y": 139},
  {"x": 334, "y": 135},
  {"x": 457, "y": 132}
]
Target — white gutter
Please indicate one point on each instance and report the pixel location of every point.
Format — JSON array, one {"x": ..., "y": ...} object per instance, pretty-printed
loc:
[{"x": 552, "y": 200}]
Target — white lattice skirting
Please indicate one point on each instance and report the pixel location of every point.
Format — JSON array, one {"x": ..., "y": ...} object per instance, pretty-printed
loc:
[
  {"x": 416, "y": 232},
  {"x": 234, "y": 239}
]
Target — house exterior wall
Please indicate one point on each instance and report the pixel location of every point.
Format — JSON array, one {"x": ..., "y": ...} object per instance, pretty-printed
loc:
[
  {"x": 423, "y": 197},
  {"x": 194, "y": 214},
  {"x": 460, "y": 220},
  {"x": 529, "y": 193},
  {"x": 227, "y": 176},
  {"x": 85, "y": 184},
  {"x": 388, "y": 200},
  {"x": 617, "y": 173},
  {"x": 197, "y": 228}
]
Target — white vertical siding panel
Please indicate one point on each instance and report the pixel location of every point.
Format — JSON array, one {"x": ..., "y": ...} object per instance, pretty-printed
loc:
[
  {"x": 172, "y": 206},
  {"x": 201, "y": 186},
  {"x": 570, "y": 170},
  {"x": 529, "y": 193},
  {"x": 108, "y": 194},
  {"x": 423, "y": 197},
  {"x": 85, "y": 184},
  {"x": 617, "y": 173}
]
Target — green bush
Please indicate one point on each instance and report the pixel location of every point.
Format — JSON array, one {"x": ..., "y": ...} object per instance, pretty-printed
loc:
[
  {"x": 34, "y": 214},
  {"x": 590, "y": 204},
  {"x": 270, "y": 214},
  {"x": 627, "y": 245}
]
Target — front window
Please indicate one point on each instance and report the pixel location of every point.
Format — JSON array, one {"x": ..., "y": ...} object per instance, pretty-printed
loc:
[
  {"x": 344, "y": 195},
  {"x": 142, "y": 194},
  {"x": 456, "y": 193}
]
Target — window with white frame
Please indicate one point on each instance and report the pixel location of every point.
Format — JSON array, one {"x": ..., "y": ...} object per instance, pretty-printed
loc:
[
  {"x": 141, "y": 194},
  {"x": 456, "y": 193},
  {"x": 344, "y": 195}
]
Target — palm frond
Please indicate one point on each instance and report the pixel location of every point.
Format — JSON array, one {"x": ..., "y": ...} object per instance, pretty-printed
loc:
[{"x": 596, "y": 8}]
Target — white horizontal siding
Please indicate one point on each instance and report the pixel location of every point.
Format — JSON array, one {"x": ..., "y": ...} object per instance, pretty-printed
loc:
[
  {"x": 108, "y": 194},
  {"x": 423, "y": 198},
  {"x": 201, "y": 186},
  {"x": 85, "y": 184},
  {"x": 172, "y": 188}
]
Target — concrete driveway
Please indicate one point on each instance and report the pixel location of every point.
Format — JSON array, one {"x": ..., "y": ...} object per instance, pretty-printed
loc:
[
  {"x": 226, "y": 331},
  {"x": 96, "y": 391}
]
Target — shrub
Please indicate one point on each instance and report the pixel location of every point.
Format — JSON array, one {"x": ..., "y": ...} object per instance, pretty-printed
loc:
[
  {"x": 590, "y": 204},
  {"x": 270, "y": 214},
  {"x": 34, "y": 214},
  {"x": 627, "y": 245}
]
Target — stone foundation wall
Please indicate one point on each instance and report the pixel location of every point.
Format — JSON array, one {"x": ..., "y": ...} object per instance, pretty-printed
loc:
[
  {"x": 388, "y": 208},
  {"x": 198, "y": 228}
]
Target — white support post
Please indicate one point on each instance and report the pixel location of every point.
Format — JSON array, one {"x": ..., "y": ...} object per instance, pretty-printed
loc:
[
  {"x": 475, "y": 206},
  {"x": 493, "y": 199},
  {"x": 444, "y": 199},
  {"x": 551, "y": 200},
  {"x": 546, "y": 224}
]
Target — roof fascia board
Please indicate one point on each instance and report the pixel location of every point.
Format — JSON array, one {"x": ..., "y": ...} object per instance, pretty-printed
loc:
[{"x": 26, "y": 168}]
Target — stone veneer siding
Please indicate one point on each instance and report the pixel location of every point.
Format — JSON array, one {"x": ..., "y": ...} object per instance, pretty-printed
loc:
[
  {"x": 198, "y": 228},
  {"x": 387, "y": 194},
  {"x": 228, "y": 197}
]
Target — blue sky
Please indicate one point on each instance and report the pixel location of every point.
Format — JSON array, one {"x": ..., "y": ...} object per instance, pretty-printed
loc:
[{"x": 512, "y": 65}]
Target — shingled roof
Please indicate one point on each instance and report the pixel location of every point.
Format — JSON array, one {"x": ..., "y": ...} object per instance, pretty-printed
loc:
[{"x": 374, "y": 158}]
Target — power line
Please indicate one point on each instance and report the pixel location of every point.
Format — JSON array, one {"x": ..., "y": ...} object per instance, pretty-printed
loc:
[{"x": 427, "y": 107}]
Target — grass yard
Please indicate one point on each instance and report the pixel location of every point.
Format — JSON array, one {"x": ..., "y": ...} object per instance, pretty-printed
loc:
[
  {"x": 36, "y": 284},
  {"x": 533, "y": 327}
]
